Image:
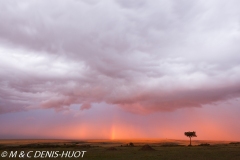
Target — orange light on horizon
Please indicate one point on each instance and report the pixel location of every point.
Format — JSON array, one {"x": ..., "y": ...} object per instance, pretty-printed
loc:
[{"x": 113, "y": 134}]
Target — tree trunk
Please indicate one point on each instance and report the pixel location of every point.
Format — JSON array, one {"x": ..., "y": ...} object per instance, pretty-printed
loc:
[{"x": 190, "y": 141}]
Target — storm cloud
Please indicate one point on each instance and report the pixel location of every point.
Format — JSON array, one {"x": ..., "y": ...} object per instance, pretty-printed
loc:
[{"x": 143, "y": 56}]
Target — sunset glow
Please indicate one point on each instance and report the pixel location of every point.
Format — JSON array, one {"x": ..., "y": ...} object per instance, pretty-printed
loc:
[{"x": 119, "y": 69}]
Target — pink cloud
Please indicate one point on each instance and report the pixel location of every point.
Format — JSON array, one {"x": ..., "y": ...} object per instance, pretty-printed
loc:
[{"x": 55, "y": 56}]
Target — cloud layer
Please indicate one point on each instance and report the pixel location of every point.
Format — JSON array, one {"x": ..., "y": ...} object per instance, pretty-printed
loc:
[{"x": 142, "y": 56}]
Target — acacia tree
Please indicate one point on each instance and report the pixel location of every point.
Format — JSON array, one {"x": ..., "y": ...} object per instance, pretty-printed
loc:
[{"x": 190, "y": 135}]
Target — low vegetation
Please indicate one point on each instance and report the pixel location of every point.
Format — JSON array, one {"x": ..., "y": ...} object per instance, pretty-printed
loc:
[{"x": 137, "y": 150}]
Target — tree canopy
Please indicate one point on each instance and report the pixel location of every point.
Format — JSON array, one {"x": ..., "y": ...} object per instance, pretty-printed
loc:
[{"x": 190, "y": 134}]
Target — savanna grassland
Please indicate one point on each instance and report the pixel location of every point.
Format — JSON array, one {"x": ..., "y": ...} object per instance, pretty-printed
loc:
[{"x": 126, "y": 149}]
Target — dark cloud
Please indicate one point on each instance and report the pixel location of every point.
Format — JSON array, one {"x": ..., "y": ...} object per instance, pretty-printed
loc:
[{"x": 142, "y": 56}]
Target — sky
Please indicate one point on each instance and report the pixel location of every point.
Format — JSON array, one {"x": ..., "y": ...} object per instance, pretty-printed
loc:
[{"x": 119, "y": 69}]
